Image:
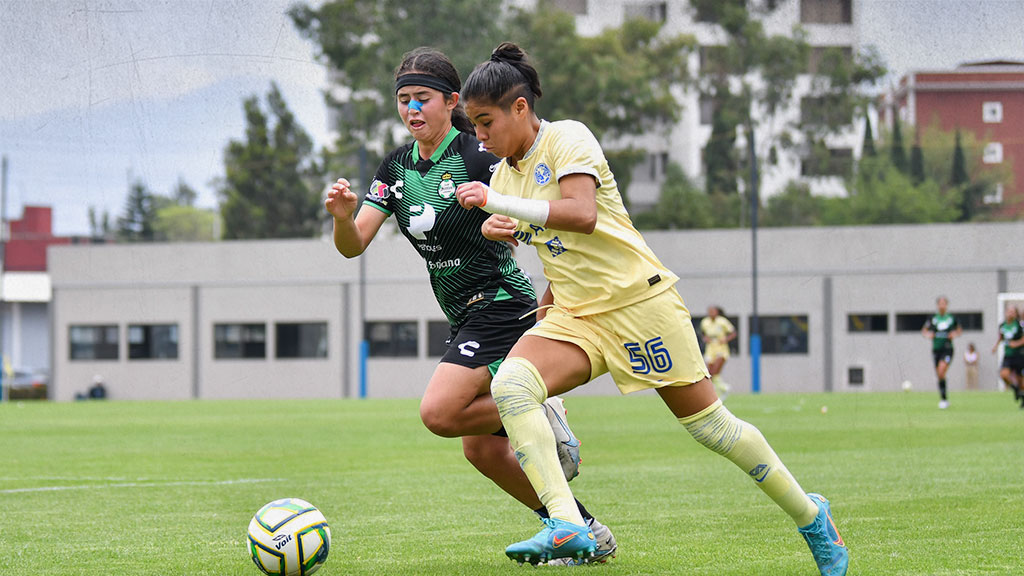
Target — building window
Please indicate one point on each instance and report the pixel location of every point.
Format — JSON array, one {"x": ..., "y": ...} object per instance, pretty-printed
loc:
[
  {"x": 438, "y": 332},
  {"x": 94, "y": 342},
  {"x": 993, "y": 153},
  {"x": 395, "y": 339},
  {"x": 828, "y": 162},
  {"x": 992, "y": 112},
  {"x": 734, "y": 344},
  {"x": 826, "y": 11},
  {"x": 911, "y": 322},
  {"x": 996, "y": 196},
  {"x": 651, "y": 168},
  {"x": 152, "y": 341},
  {"x": 867, "y": 323},
  {"x": 239, "y": 340},
  {"x": 829, "y": 55},
  {"x": 707, "y": 109},
  {"x": 653, "y": 11},
  {"x": 577, "y": 7},
  {"x": 783, "y": 334},
  {"x": 855, "y": 376},
  {"x": 969, "y": 321},
  {"x": 301, "y": 340}
]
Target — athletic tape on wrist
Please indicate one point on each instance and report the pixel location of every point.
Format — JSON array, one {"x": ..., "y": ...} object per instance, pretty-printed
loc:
[{"x": 523, "y": 209}]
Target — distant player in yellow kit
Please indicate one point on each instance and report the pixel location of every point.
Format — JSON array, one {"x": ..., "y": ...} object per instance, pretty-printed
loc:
[
  {"x": 612, "y": 307},
  {"x": 717, "y": 332}
]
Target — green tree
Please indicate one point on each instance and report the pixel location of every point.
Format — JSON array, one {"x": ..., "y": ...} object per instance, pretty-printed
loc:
[
  {"x": 681, "y": 205},
  {"x": 178, "y": 223},
  {"x": 632, "y": 94},
  {"x": 183, "y": 194},
  {"x": 364, "y": 40},
  {"x": 883, "y": 194},
  {"x": 868, "y": 149},
  {"x": 99, "y": 225},
  {"x": 273, "y": 184},
  {"x": 916, "y": 163},
  {"x": 794, "y": 206},
  {"x": 897, "y": 155},
  {"x": 959, "y": 175},
  {"x": 136, "y": 221}
]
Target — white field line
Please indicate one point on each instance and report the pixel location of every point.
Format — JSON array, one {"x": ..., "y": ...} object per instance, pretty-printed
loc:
[{"x": 139, "y": 485}]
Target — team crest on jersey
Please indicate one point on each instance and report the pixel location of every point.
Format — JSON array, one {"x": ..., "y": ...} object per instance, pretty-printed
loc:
[
  {"x": 379, "y": 190},
  {"x": 542, "y": 174},
  {"x": 555, "y": 246},
  {"x": 447, "y": 186}
]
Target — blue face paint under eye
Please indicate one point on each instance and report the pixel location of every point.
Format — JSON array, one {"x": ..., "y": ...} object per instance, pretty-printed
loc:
[{"x": 416, "y": 105}]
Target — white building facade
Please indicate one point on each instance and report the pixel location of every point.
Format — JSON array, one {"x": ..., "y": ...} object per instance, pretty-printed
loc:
[{"x": 840, "y": 310}]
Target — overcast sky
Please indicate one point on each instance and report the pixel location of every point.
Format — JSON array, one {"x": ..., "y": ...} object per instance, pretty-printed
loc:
[{"x": 94, "y": 93}]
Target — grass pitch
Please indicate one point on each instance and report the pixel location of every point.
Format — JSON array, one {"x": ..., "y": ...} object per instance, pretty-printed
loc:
[{"x": 168, "y": 488}]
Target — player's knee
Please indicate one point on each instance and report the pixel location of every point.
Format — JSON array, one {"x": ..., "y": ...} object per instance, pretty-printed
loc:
[
  {"x": 440, "y": 419},
  {"x": 516, "y": 386},
  {"x": 716, "y": 428}
]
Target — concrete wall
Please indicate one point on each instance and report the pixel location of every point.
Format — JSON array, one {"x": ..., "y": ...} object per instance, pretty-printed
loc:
[{"x": 821, "y": 273}]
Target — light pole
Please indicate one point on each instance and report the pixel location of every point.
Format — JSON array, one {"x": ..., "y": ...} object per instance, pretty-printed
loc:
[{"x": 755, "y": 321}]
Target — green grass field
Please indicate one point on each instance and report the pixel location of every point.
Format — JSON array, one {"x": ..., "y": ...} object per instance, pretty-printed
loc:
[{"x": 169, "y": 488}]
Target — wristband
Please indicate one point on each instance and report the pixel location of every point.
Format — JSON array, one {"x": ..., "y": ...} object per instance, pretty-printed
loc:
[{"x": 526, "y": 210}]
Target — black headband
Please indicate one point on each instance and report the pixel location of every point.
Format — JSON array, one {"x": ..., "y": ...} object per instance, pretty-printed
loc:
[{"x": 424, "y": 80}]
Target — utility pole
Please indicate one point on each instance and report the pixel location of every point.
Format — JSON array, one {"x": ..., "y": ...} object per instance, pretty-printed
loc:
[{"x": 3, "y": 263}]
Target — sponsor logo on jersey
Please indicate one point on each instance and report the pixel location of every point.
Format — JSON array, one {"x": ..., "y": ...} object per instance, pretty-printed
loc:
[
  {"x": 379, "y": 191},
  {"x": 395, "y": 188},
  {"x": 475, "y": 298},
  {"x": 447, "y": 186},
  {"x": 481, "y": 148},
  {"x": 450, "y": 263},
  {"x": 542, "y": 174},
  {"x": 494, "y": 166}
]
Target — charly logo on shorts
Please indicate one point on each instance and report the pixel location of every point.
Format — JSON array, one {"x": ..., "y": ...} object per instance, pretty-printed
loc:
[{"x": 542, "y": 174}]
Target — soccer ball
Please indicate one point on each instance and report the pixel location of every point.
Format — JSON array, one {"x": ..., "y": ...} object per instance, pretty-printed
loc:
[{"x": 289, "y": 537}]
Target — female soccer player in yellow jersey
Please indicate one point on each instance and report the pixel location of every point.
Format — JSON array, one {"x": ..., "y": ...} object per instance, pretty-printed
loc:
[
  {"x": 717, "y": 332},
  {"x": 477, "y": 283},
  {"x": 612, "y": 308}
]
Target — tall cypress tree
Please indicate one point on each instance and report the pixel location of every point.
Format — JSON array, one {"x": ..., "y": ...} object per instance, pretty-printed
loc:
[
  {"x": 916, "y": 162},
  {"x": 959, "y": 176},
  {"x": 896, "y": 152},
  {"x": 869, "y": 138}
]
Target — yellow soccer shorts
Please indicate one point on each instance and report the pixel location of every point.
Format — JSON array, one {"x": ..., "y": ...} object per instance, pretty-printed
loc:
[
  {"x": 715, "y": 350},
  {"x": 645, "y": 345}
]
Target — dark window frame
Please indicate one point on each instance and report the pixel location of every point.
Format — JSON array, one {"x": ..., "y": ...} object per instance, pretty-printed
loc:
[
  {"x": 251, "y": 342},
  {"x": 310, "y": 340},
  {"x": 390, "y": 338},
  {"x": 99, "y": 347},
  {"x": 154, "y": 345}
]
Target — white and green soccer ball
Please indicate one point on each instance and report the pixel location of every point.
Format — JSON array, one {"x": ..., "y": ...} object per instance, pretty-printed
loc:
[{"x": 289, "y": 537}]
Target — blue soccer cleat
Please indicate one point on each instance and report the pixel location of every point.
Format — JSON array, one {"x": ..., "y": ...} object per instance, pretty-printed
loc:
[
  {"x": 827, "y": 546},
  {"x": 558, "y": 539},
  {"x": 606, "y": 547}
]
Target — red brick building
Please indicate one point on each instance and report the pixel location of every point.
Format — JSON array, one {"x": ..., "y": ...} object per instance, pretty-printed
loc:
[
  {"x": 28, "y": 238},
  {"x": 985, "y": 99}
]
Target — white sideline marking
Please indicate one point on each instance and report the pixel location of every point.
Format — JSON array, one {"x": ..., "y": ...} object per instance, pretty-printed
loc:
[{"x": 139, "y": 485}]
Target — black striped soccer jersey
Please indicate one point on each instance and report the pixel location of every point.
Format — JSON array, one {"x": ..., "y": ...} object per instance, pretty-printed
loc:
[{"x": 467, "y": 271}]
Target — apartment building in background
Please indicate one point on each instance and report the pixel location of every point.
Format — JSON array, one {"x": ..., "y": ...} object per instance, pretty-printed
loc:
[
  {"x": 828, "y": 23},
  {"x": 985, "y": 99}
]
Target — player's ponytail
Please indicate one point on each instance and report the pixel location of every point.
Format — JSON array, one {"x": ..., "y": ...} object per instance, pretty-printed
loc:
[{"x": 503, "y": 78}]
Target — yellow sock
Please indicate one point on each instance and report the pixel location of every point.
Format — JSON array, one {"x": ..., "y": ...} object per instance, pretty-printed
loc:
[
  {"x": 719, "y": 430},
  {"x": 519, "y": 390}
]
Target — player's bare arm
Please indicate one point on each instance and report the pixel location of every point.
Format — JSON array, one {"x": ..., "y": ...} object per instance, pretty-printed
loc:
[{"x": 351, "y": 235}]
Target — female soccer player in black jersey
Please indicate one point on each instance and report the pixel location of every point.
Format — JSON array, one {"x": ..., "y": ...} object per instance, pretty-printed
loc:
[{"x": 487, "y": 298}]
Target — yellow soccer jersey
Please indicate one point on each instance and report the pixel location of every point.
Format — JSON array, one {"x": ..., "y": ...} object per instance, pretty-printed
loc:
[
  {"x": 717, "y": 330},
  {"x": 589, "y": 273}
]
